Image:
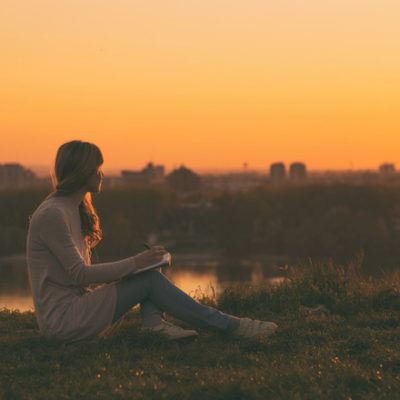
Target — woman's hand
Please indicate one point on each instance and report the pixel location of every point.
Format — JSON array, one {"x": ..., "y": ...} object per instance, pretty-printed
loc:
[{"x": 149, "y": 257}]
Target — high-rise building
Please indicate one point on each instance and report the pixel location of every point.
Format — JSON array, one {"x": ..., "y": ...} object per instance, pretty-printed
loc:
[
  {"x": 277, "y": 172},
  {"x": 298, "y": 172}
]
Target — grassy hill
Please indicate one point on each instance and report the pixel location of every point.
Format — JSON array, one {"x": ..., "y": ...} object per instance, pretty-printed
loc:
[{"x": 338, "y": 338}]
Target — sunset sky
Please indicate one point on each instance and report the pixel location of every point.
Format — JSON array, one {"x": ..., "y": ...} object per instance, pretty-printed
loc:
[{"x": 210, "y": 84}]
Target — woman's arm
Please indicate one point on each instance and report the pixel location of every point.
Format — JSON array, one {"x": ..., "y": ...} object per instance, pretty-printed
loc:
[{"x": 53, "y": 232}]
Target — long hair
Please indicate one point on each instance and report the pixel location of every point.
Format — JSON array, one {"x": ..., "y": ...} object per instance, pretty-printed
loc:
[{"x": 75, "y": 162}]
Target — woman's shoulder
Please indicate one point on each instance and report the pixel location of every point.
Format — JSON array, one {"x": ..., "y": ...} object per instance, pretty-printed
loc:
[{"x": 49, "y": 210}]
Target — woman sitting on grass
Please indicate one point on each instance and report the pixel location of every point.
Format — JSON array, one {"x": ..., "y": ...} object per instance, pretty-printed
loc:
[{"x": 62, "y": 231}]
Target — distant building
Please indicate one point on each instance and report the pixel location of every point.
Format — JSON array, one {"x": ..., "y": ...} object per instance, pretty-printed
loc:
[
  {"x": 277, "y": 172},
  {"x": 151, "y": 174},
  {"x": 111, "y": 181},
  {"x": 184, "y": 180},
  {"x": 133, "y": 177},
  {"x": 298, "y": 172},
  {"x": 155, "y": 173},
  {"x": 387, "y": 169},
  {"x": 233, "y": 182},
  {"x": 14, "y": 175}
]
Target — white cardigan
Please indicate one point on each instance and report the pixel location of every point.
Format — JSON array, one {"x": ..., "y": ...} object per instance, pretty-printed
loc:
[{"x": 59, "y": 269}]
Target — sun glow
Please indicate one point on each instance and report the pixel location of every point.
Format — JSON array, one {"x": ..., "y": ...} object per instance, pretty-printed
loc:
[{"x": 207, "y": 84}]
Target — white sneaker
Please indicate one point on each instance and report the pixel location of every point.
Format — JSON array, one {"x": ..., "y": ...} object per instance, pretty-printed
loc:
[
  {"x": 172, "y": 332},
  {"x": 251, "y": 328}
]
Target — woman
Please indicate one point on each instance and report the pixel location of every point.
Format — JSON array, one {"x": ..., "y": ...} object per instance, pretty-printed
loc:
[{"x": 61, "y": 233}]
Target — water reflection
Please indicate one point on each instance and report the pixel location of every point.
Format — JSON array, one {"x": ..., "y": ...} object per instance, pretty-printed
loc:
[
  {"x": 196, "y": 277},
  {"x": 22, "y": 302},
  {"x": 195, "y": 283},
  {"x": 15, "y": 292}
]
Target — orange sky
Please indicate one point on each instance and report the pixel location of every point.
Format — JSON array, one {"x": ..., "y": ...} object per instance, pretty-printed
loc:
[{"x": 210, "y": 83}]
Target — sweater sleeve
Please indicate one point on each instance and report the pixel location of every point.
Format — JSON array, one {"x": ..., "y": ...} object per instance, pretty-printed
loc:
[{"x": 54, "y": 233}]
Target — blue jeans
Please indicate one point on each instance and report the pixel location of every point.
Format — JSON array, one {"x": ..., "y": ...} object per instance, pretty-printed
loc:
[{"x": 157, "y": 294}]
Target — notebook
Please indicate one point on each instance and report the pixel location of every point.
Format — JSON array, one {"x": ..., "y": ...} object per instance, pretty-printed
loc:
[{"x": 164, "y": 262}]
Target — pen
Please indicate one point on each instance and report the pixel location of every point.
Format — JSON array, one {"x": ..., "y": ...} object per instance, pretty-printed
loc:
[{"x": 146, "y": 245}]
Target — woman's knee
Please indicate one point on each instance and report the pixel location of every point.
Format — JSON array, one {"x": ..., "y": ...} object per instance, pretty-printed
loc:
[
  {"x": 157, "y": 279},
  {"x": 142, "y": 280},
  {"x": 150, "y": 274},
  {"x": 150, "y": 278}
]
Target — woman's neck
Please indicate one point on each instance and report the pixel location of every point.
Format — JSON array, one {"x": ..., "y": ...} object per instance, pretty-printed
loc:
[{"x": 77, "y": 197}]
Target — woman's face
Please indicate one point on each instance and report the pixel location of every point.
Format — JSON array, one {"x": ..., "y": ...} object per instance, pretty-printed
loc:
[{"x": 94, "y": 182}]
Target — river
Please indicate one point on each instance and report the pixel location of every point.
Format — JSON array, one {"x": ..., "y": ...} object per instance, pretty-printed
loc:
[{"x": 195, "y": 274}]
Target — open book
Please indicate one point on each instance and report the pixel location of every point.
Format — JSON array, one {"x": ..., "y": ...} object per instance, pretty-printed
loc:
[{"x": 164, "y": 262}]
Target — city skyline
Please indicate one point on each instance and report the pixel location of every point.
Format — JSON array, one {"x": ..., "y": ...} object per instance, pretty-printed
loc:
[
  {"x": 43, "y": 171},
  {"x": 42, "y": 167}
]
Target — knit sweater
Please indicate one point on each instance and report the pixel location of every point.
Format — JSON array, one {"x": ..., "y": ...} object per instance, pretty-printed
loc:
[{"x": 59, "y": 270}]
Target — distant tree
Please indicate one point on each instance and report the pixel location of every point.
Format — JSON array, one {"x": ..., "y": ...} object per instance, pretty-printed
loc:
[{"x": 184, "y": 180}]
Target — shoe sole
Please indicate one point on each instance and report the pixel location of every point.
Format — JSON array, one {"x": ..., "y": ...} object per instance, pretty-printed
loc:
[{"x": 188, "y": 336}]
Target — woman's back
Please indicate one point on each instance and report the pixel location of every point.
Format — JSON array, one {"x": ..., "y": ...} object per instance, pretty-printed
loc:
[{"x": 57, "y": 258}]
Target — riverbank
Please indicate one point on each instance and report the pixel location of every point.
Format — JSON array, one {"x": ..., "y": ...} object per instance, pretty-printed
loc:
[{"x": 348, "y": 347}]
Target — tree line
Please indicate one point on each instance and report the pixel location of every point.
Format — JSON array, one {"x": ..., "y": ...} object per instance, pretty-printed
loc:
[{"x": 307, "y": 221}]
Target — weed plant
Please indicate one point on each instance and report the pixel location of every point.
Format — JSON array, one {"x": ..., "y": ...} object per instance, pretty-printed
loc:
[{"x": 338, "y": 338}]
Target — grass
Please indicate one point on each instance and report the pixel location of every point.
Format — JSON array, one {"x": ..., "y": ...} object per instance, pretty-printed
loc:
[{"x": 348, "y": 348}]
